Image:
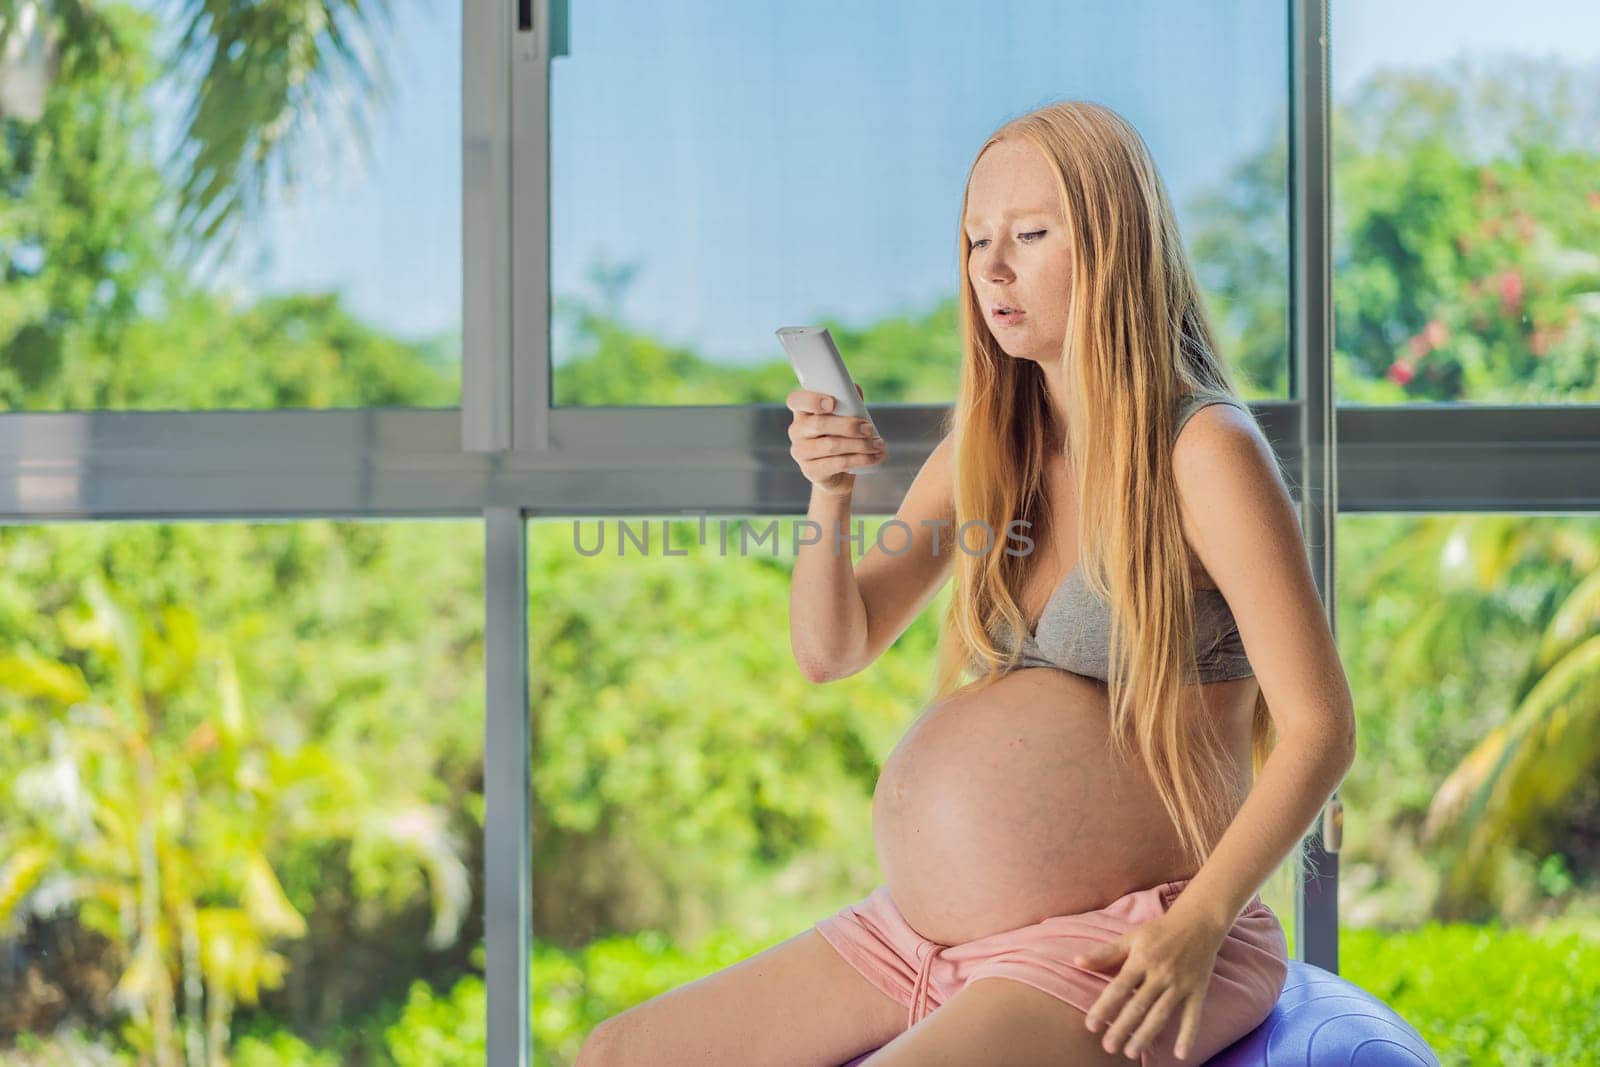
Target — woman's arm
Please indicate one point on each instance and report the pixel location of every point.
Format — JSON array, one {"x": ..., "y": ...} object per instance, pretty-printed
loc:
[
  {"x": 827, "y": 617},
  {"x": 843, "y": 615},
  {"x": 1241, "y": 522},
  {"x": 1296, "y": 780}
]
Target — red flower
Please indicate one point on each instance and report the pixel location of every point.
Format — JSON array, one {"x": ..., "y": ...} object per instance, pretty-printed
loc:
[
  {"x": 1400, "y": 372},
  {"x": 1511, "y": 291},
  {"x": 1544, "y": 337},
  {"x": 1436, "y": 333},
  {"x": 1594, "y": 199}
]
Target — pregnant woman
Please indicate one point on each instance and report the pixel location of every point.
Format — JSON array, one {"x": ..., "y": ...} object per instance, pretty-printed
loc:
[{"x": 1139, "y": 708}]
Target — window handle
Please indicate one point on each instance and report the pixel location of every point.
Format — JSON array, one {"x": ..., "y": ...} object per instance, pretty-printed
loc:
[
  {"x": 559, "y": 16},
  {"x": 1332, "y": 825}
]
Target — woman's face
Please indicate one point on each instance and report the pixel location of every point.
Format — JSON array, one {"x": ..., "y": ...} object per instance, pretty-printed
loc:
[{"x": 1019, "y": 255}]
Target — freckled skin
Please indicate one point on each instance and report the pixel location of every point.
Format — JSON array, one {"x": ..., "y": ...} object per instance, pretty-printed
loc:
[{"x": 1001, "y": 809}]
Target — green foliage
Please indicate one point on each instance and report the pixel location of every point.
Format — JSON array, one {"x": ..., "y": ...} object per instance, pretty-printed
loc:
[
  {"x": 679, "y": 750},
  {"x": 267, "y": 73},
  {"x": 1485, "y": 995},
  {"x": 447, "y": 1031},
  {"x": 97, "y": 313},
  {"x": 576, "y": 991},
  {"x": 198, "y": 744},
  {"x": 911, "y": 360},
  {"x": 1466, "y": 223},
  {"x": 78, "y": 242},
  {"x": 281, "y": 1049},
  {"x": 297, "y": 351},
  {"x": 1476, "y": 741},
  {"x": 1240, "y": 250},
  {"x": 77, "y": 1049}
]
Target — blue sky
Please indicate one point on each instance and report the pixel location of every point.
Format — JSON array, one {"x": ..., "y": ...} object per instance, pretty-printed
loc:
[{"x": 768, "y": 164}]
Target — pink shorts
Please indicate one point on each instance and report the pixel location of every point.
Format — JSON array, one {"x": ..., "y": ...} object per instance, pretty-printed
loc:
[{"x": 1249, "y": 976}]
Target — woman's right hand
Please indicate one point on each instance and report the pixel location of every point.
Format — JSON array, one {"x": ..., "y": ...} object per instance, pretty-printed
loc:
[{"x": 824, "y": 444}]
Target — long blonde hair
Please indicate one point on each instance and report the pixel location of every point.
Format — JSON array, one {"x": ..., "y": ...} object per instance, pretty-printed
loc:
[{"x": 1138, "y": 337}]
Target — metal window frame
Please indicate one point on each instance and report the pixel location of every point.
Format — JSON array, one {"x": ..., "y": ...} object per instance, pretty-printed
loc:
[
  {"x": 507, "y": 455},
  {"x": 1316, "y": 887}
]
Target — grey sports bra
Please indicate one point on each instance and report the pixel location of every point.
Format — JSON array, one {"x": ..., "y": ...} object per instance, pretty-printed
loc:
[{"x": 1074, "y": 629}]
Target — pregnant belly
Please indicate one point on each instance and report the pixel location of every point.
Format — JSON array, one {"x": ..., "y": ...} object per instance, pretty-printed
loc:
[{"x": 1002, "y": 808}]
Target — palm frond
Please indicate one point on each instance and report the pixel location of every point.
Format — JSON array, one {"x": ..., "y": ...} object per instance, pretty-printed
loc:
[
  {"x": 1526, "y": 767},
  {"x": 267, "y": 75}
]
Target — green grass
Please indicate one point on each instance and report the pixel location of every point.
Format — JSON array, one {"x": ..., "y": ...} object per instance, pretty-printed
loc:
[{"x": 1486, "y": 995}]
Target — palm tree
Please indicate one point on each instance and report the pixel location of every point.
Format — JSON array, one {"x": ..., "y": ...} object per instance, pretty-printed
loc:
[
  {"x": 256, "y": 75},
  {"x": 1542, "y": 746},
  {"x": 1515, "y": 782},
  {"x": 162, "y": 836}
]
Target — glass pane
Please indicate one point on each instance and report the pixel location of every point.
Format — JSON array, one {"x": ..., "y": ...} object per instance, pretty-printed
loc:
[
  {"x": 698, "y": 799},
  {"x": 1472, "y": 830},
  {"x": 235, "y": 207},
  {"x": 770, "y": 165},
  {"x": 1466, "y": 186},
  {"x": 241, "y": 777}
]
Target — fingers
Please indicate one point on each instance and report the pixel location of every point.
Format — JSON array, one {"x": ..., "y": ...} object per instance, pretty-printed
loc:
[
  {"x": 1188, "y": 1028},
  {"x": 1111, "y": 1000},
  {"x": 808, "y": 422},
  {"x": 1154, "y": 1021},
  {"x": 820, "y": 427},
  {"x": 809, "y": 401},
  {"x": 825, "y": 444},
  {"x": 1131, "y": 1014},
  {"x": 810, "y": 449},
  {"x": 822, "y": 470},
  {"x": 815, "y": 447}
]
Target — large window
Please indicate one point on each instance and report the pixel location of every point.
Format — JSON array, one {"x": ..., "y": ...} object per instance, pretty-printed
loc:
[
  {"x": 257, "y": 207},
  {"x": 319, "y": 743},
  {"x": 1466, "y": 210},
  {"x": 767, "y": 165}
]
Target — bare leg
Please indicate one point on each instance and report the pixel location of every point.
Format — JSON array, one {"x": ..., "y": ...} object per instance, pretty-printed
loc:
[{"x": 797, "y": 1003}]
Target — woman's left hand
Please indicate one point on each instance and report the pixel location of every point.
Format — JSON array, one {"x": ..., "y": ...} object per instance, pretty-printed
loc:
[{"x": 1166, "y": 967}]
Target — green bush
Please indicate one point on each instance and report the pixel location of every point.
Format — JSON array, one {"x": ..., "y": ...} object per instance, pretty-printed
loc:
[
  {"x": 446, "y": 1031},
  {"x": 577, "y": 991},
  {"x": 280, "y": 1049},
  {"x": 1485, "y": 995}
]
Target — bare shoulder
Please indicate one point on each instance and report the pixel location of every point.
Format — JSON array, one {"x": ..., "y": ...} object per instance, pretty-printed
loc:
[{"x": 1220, "y": 434}]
